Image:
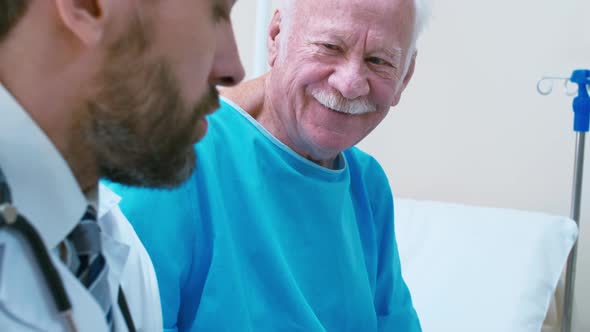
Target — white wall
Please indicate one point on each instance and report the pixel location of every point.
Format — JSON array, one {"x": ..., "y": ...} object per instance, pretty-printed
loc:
[{"x": 471, "y": 127}]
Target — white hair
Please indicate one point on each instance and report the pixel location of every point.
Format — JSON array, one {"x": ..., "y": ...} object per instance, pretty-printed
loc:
[{"x": 422, "y": 14}]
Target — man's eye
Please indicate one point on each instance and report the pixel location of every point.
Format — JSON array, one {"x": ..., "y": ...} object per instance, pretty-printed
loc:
[
  {"x": 378, "y": 61},
  {"x": 331, "y": 47}
]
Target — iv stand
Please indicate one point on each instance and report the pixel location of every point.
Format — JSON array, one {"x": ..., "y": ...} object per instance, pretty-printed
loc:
[{"x": 581, "y": 105}]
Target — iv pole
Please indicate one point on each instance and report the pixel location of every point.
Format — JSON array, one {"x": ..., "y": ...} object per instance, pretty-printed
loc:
[{"x": 581, "y": 106}]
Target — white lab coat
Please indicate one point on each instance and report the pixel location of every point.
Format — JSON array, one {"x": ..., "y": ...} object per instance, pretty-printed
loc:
[{"x": 46, "y": 192}]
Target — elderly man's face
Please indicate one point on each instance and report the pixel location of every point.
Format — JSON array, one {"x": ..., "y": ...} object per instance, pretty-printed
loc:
[
  {"x": 345, "y": 63},
  {"x": 156, "y": 86}
]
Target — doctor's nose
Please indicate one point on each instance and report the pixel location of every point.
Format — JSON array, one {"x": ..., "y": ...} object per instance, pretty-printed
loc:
[{"x": 227, "y": 68}]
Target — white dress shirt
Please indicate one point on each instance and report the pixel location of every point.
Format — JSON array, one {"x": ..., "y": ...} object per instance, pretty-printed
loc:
[{"x": 45, "y": 191}]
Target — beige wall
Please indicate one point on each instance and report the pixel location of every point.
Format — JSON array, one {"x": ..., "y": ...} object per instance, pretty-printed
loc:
[{"x": 471, "y": 127}]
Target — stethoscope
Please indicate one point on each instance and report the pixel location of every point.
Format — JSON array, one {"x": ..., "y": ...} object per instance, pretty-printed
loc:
[{"x": 10, "y": 218}]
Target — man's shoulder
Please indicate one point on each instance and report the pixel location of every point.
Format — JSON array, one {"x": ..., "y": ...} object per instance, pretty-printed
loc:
[
  {"x": 363, "y": 164},
  {"x": 228, "y": 128},
  {"x": 368, "y": 179},
  {"x": 144, "y": 208},
  {"x": 228, "y": 116}
]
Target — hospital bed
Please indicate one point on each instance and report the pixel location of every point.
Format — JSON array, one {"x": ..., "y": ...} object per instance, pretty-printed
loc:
[{"x": 473, "y": 268}]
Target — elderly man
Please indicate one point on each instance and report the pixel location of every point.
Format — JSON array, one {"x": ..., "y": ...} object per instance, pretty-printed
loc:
[
  {"x": 89, "y": 89},
  {"x": 286, "y": 226}
]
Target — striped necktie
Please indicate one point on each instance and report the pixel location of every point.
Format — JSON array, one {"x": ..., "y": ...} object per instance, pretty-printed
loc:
[{"x": 86, "y": 261}]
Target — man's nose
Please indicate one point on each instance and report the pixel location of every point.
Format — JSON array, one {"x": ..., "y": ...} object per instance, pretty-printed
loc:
[
  {"x": 350, "y": 79},
  {"x": 227, "y": 68}
]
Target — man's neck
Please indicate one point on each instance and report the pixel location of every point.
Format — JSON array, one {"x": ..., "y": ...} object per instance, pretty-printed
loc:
[
  {"x": 253, "y": 98},
  {"x": 81, "y": 161},
  {"x": 271, "y": 121}
]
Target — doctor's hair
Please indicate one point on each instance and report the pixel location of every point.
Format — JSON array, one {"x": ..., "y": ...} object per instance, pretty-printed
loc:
[{"x": 10, "y": 12}]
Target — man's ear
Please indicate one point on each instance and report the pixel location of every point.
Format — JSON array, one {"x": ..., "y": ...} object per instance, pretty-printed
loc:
[
  {"x": 85, "y": 19},
  {"x": 273, "y": 42},
  {"x": 406, "y": 79}
]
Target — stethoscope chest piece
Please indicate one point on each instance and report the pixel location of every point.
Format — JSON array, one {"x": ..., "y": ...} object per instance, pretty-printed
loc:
[{"x": 8, "y": 214}]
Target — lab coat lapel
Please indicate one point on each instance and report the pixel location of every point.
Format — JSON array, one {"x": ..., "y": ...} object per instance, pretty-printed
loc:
[
  {"x": 25, "y": 294},
  {"x": 116, "y": 257}
]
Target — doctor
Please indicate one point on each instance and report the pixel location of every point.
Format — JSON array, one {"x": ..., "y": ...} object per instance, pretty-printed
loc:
[{"x": 89, "y": 89}]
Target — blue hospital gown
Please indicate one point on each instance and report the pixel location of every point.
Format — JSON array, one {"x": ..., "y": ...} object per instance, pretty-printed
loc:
[{"x": 261, "y": 239}]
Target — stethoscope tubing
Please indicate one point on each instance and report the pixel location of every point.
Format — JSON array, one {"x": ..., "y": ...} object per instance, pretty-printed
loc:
[{"x": 11, "y": 219}]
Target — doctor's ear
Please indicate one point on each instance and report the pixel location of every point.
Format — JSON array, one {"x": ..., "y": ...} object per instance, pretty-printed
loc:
[
  {"x": 406, "y": 80},
  {"x": 85, "y": 19},
  {"x": 274, "y": 33}
]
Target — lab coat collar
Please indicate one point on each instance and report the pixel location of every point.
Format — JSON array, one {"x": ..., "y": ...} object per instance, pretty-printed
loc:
[{"x": 43, "y": 187}]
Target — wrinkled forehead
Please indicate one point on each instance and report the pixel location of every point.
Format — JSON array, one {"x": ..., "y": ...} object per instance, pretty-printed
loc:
[{"x": 387, "y": 19}]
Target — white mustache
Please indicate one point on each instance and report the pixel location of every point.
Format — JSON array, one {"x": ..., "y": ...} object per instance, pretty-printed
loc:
[{"x": 338, "y": 103}]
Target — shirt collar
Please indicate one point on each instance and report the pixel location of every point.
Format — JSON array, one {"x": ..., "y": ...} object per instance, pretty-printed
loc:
[
  {"x": 108, "y": 200},
  {"x": 43, "y": 187}
]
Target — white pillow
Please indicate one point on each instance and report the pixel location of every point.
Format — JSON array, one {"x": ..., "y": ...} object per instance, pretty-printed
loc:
[{"x": 480, "y": 269}]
